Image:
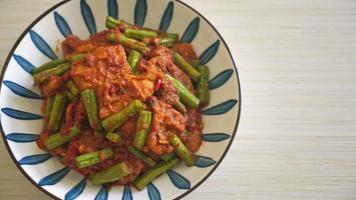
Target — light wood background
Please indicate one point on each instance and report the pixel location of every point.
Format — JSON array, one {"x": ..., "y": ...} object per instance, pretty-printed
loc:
[{"x": 297, "y": 65}]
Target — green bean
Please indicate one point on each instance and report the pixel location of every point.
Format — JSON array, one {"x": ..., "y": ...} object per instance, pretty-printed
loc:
[
  {"x": 91, "y": 108},
  {"x": 185, "y": 133},
  {"x": 142, "y": 181},
  {"x": 93, "y": 158},
  {"x": 113, "y": 37},
  {"x": 114, "y": 137},
  {"x": 111, "y": 22},
  {"x": 110, "y": 174},
  {"x": 180, "y": 107},
  {"x": 77, "y": 57},
  {"x": 133, "y": 59},
  {"x": 195, "y": 63},
  {"x": 112, "y": 122},
  {"x": 56, "y": 112},
  {"x": 139, "y": 33},
  {"x": 164, "y": 41},
  {"x": 139, "y": 154},
  {"x": 49, "y": 105},
  {"x": 186, "y": 67},
  {"x": 44, "y": 75},
  {"x": 128, "y": 42},
  {"x": 168, "y": 40},
  {"x": 169, "y": 45},
  {"x": 72, "y": 88},
  {"x": 171, "y": 35},
  {"x": 110, "y": 25},
  {"x": 48, "y": 65},
  {"x": 203, "y": 85},
  {"x": 69, "y": 95},
  {"x": 142, "y": 128},
  {"x": 184, "y": 94},
  {"x": 59, "y": 139},
  {"x": 167, "y": 156},
  {"x": 181, "y": 150}
]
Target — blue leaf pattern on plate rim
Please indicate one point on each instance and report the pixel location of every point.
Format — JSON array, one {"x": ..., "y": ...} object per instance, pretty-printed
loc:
[
  {"x": 220, "y": 79},
  {"x": 22, "y": 137},
  {"x": 178, "y": 180},
  {"x": 220, "y": 108},
  {"x": 88, "y": 17},
  {"x": 24, "y": 64},
  {"x": 140, "y": 12},
  {"x": 167, "y": 17},
  {"x": 127, "y": 193},
  {"x": 76, "y": 190},
  {"x": 209, "y": 53},
  {"x": 191, "y": 31},
  {"x": 21, "y": 91},
  {"x": 42, "y": 45},
  {"x": 215, "y": 137},
  {"x": 203, "y": 161},
  {"x": 103, "y": 194},
  {"x": 113, "y": 9},
  {"x": 62, "y": 25},
  {"x": 153, "y": 192},
  {"x": 18, "y": 114},
  {"x": 34, "y": 159},
  {"x": 55, "y": 177}
]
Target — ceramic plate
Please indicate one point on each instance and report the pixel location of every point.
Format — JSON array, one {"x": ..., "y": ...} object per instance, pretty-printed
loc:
[{"x": 20, "y": 101}]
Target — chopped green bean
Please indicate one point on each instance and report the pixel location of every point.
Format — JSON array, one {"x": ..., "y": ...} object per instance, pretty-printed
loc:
[
  {"x": 91, "y": 108},
  {"x": 77, "y": 57},
  {"x": 139, "y": 154},
  {"x": 185, "y": 133},
  {"x": 93, "y": 158},
  {"x": 142, "y": 181},
  {"x": 59, "y": 139},
  {"x": 180, "y": 107},
  {"x": 164, "y": 41},
  {"x": 111, "y": 22},
  {"x": 203, "y": 85},
  {"x": 110, "y": 174},
  {"x": 168, "y": 40},
  {"x": 184, "y": 94},
  {"x": 72, "y": 88},
  {"x": 56, "y": 112},
  {"x": 181, "y": 150},
  {"x": 171, "y": 35},
  {"x": 69, "y": 95},
  {"x": 114, "y": 121},
  {"x": 128, "y": 42},
  {"x": 186, "y": 67},
  {"x": 114, "y": 137},
  {"x": 47, "y": 66},
  {"x": 195, "y": 63},
  {"x": 167, "y": 156},
  {"x": 44, "y": 75},
  {"x": 139, "y": 33},
  {"x": 49, "y": 105},
  {"x": 142, "y": 128},
  {"x": 133, "y": 59}
]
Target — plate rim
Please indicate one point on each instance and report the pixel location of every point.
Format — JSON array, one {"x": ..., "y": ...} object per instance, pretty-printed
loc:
[{"x": 44, "y": 14}]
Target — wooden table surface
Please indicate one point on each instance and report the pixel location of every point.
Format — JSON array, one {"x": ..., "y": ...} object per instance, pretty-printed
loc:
[{"x": 297, "y": 65}]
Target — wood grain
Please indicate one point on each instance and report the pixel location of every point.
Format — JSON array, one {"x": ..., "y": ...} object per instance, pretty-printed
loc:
[{"x": 297, "y": 65}]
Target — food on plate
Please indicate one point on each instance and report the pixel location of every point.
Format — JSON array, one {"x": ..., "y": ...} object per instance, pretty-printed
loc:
[{"x": 123, "y": 106}]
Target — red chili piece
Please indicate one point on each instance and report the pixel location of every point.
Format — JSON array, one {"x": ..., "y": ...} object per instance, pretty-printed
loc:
[{"x": 158, "y": 84}]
